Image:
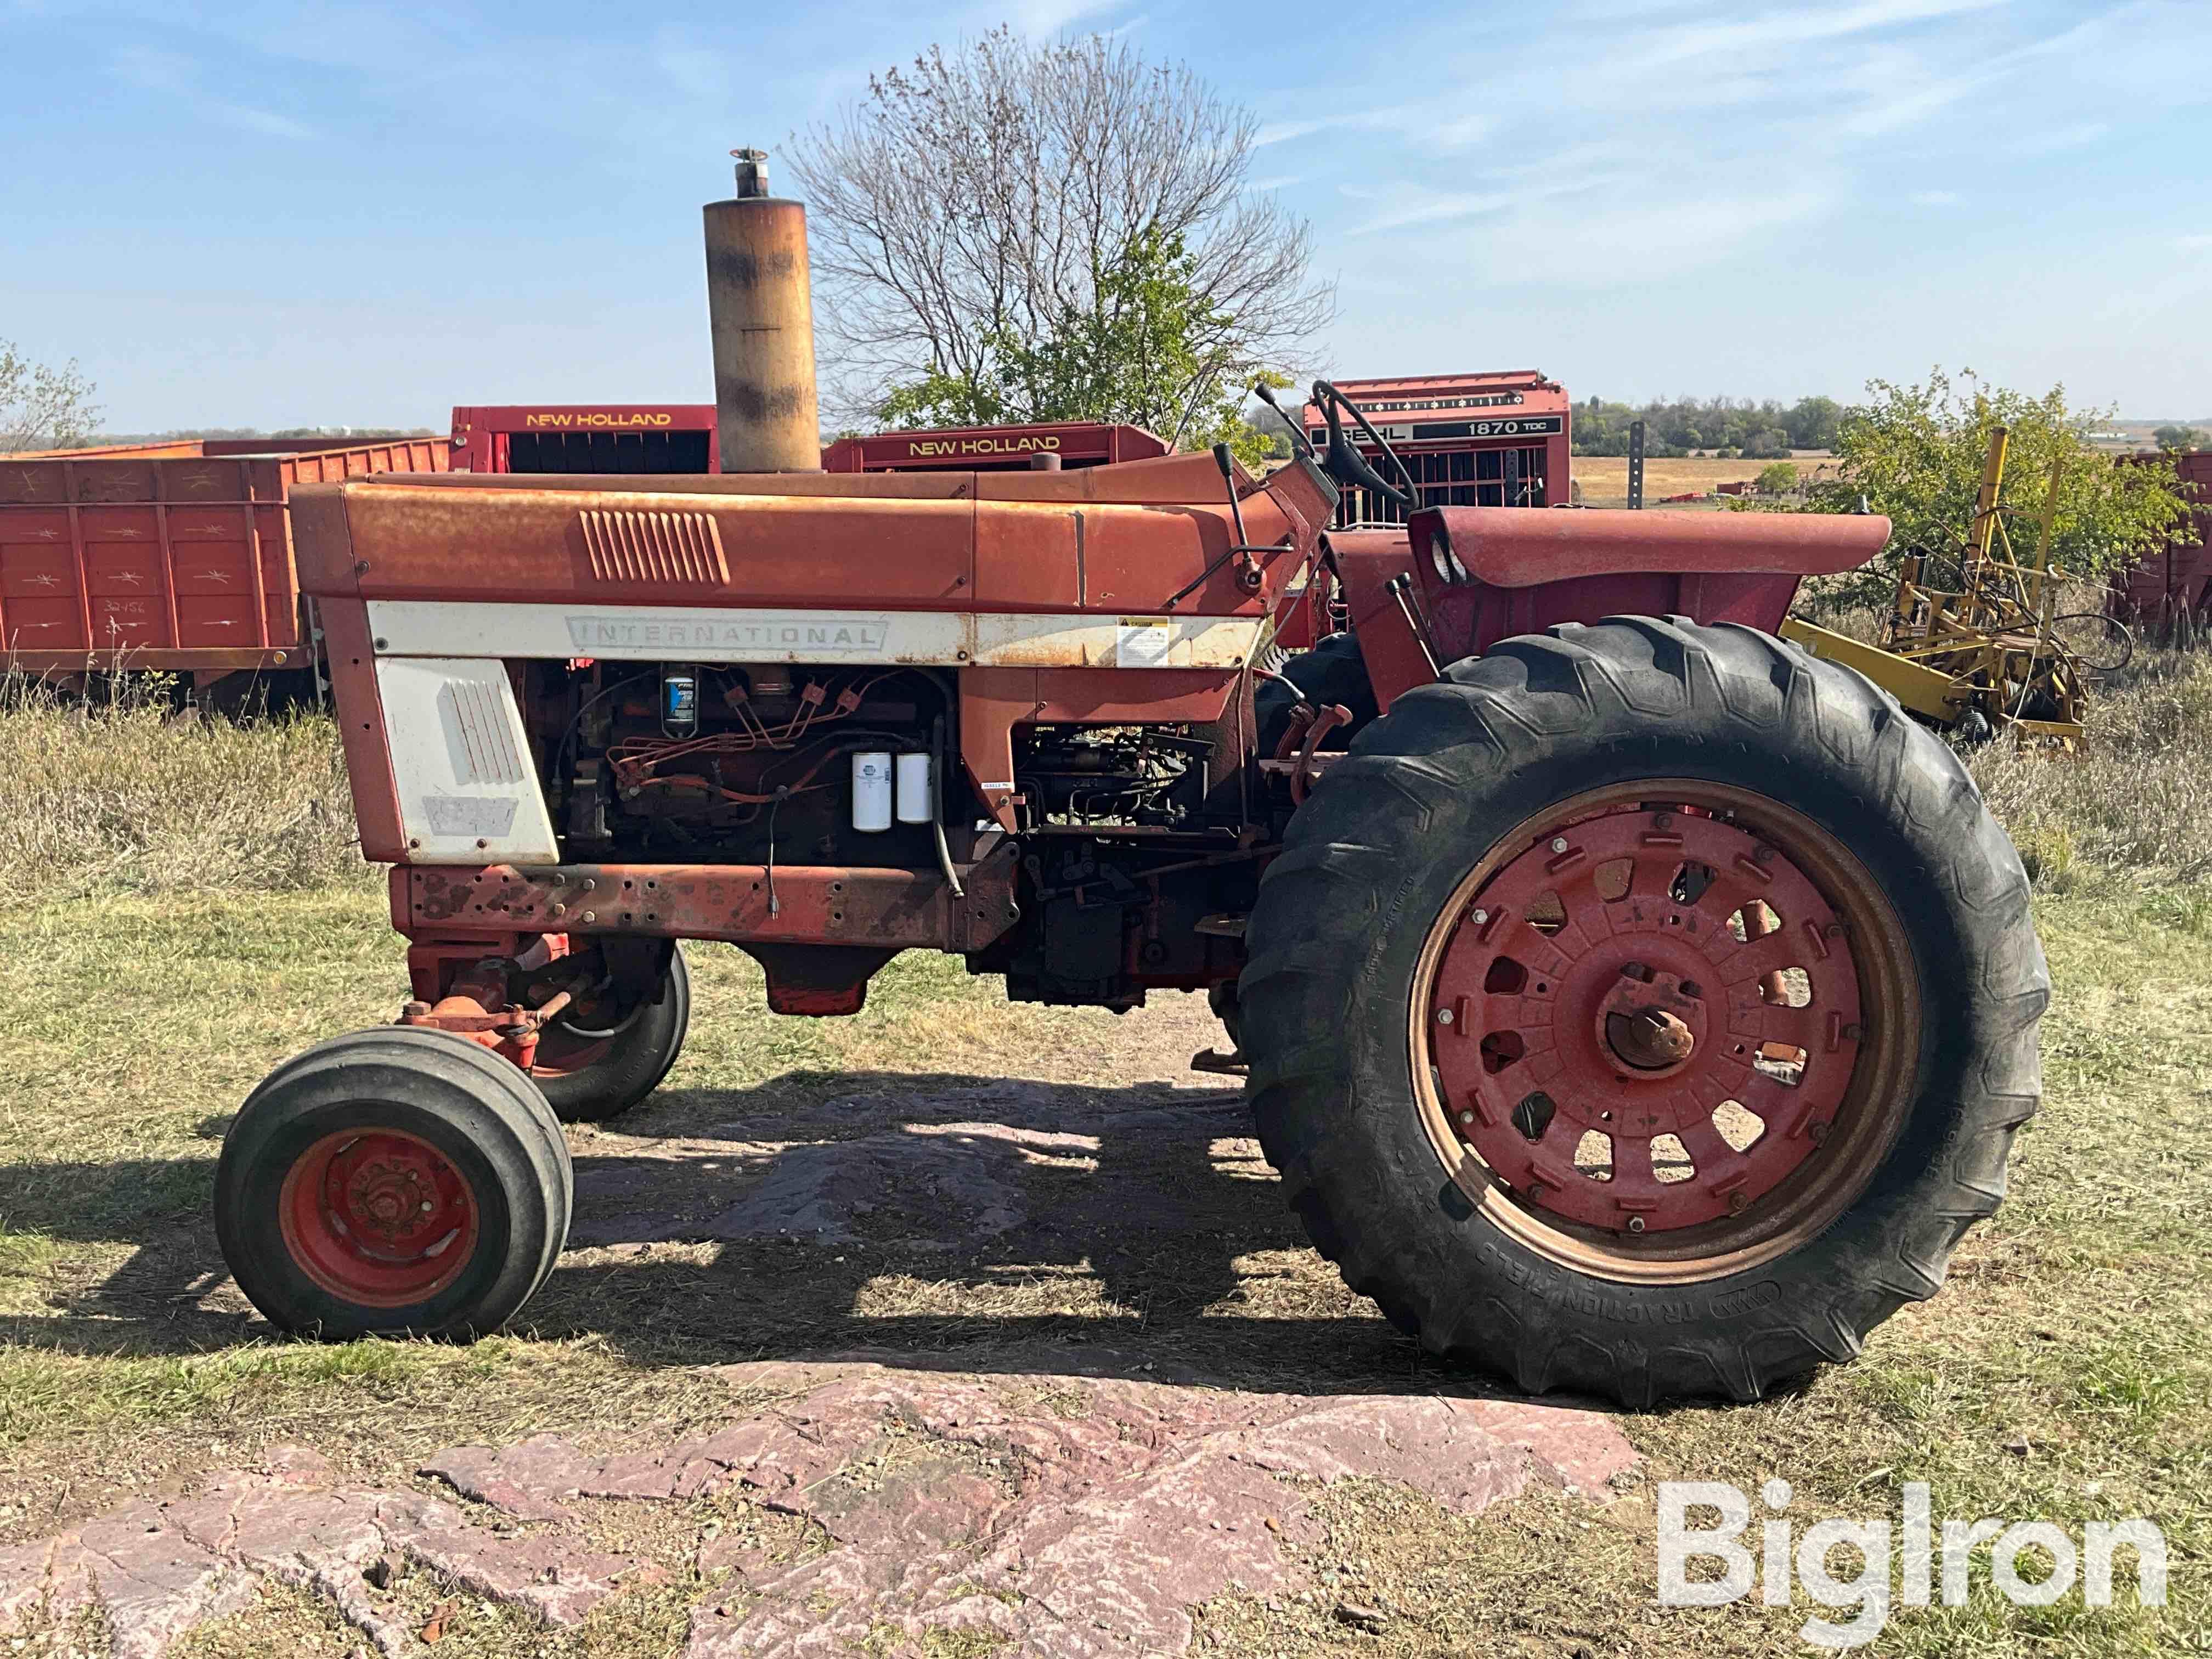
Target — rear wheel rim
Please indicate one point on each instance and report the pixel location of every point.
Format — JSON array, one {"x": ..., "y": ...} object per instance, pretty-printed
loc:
[
  {"x": 378, "y": 1218},
  {"x": 1663, "y": 1032}
]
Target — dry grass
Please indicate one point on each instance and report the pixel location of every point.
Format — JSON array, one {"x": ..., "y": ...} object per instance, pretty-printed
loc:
[
  {"x": 143, "y": 1002},
  {"x": 1604, "y": 478},
  {"x": 130, "y": 797},
  {"x": 2135, "y": 805},
  {"x": 2139, "y": 798}
]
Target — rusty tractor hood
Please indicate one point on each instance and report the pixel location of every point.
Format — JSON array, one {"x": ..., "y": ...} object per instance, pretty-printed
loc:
[{"x": 1141, "y": 536}]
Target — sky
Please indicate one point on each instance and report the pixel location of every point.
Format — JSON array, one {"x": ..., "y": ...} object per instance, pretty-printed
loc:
[{"x": 355, "y": 213}]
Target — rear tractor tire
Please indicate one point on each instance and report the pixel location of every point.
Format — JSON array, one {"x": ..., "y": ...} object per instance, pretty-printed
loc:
[
  {"x": 1646, "y": 1009},
  {"x": 396, "y": 1181},
  {"x": 599, "y": 1060},
  {"x": 1333, "y": 671}
]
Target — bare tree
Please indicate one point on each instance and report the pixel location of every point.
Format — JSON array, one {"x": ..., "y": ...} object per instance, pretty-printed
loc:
[
  {"x": 42, "y": 407},
  {"x": 981, "y": 195}
]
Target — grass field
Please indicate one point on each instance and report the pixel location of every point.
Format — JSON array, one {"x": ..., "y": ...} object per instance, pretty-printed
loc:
[
  {"x": 1604, "y": 478},
  {"x": 2065, "y": 1372}
]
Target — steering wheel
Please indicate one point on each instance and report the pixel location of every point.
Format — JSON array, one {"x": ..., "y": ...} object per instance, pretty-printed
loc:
[{"x": 1346, "y": 464}]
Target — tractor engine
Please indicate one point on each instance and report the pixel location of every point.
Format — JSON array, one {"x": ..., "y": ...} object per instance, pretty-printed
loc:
[{"x": 746, "y": 763}]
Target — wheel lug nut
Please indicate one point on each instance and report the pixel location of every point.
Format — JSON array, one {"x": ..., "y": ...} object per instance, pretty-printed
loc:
[
  {"x": 1762, "y": 856},
  {"x": 1444, "y": 1016},
  {"x": 1479, "y": 917},
  {"x": 1636, "y": 1223},
  {"x": 1559, "y": 843},
  {"x": 1739, "y": 1202}
]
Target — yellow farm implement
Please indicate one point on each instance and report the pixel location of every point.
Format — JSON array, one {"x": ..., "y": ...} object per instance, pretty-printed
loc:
[{"x": 1987, "y": 653}]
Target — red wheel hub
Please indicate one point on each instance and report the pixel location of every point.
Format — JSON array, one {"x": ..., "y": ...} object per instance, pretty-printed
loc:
[
  {"x": 378, "y": 1217},
  {"x": 1645, "y": 1020}
]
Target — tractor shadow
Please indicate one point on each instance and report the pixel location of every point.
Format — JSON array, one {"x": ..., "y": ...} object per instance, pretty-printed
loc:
[{"x": 935, "y": 1220}]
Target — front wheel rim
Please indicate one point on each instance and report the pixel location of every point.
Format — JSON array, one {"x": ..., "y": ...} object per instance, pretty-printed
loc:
[
  {"x": 378, "y": 1217},
  {"x": 1665, "y": 1032}
]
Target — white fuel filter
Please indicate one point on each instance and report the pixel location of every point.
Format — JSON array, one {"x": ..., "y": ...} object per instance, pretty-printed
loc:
[
  {"x": 917, "y": 789},
  {"x": 872, "y": 789}
]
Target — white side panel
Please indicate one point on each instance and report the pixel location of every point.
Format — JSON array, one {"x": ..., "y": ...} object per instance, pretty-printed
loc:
[
  {"x": 461, "y": 760},
  {"x": 1015, "y": 641},
  {"x": 414, "y": 628}
]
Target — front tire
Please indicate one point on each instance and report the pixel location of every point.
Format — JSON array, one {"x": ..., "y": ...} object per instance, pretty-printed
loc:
[
  {"x": 398, "y": 1181},
  {"x": 1646, "y": 1009},
  {"x": 599, "y": 1062}
]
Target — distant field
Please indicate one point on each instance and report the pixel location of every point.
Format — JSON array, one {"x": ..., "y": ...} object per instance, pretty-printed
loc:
[{"x": 1604, "y": 478}]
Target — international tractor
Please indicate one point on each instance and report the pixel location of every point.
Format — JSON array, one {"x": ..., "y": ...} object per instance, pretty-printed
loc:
[{"x": 1631, "y": 1003}]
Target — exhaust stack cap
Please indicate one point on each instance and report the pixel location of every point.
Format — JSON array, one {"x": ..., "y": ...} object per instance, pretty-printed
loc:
[{"x": 753, "y": 173}]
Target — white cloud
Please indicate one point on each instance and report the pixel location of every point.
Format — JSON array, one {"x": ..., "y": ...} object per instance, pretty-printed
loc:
[
  {"x": 263, "y": 121},
  {"x": 1630, "y": 245},
  {"x": 1051, "y": 16},
  {"x": 2064, "y": 138},
  {"x": 180, "y": 78}
]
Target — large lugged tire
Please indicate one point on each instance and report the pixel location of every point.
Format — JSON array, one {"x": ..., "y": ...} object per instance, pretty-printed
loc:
[
  {"x": 590, "y": 1072},
  {"x": 396, "y": 1181},
  {"x": 1646, "y": 1009},
  {"x": 1332, "y": 672}
]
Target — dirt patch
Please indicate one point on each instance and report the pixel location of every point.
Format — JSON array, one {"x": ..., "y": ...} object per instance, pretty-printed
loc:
[{"x": 1068, "y": 1515}]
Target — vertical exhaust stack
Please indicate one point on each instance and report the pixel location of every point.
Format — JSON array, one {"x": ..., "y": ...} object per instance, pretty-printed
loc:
[{"x": 760, "y": 304}]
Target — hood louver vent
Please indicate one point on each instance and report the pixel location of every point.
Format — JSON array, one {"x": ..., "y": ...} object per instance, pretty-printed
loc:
[{"x": 626, "y": 546}]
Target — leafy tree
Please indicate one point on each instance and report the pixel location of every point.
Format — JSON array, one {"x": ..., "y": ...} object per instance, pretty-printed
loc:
[
  {"x": 1777, "y": 479},
  {"x": 2178, "y": 439},
  {"x": 42, "y": 407},
  {"x": 1812, "y": 422},
  {"x": 1916, "y": 453},
  {"x": 1146, "y": 347},
  {"x": 1683, "y": 425},
  {"x": 981, "y": 222}
]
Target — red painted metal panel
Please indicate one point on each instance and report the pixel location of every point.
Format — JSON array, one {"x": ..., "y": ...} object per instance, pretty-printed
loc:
[
  {"x": 993, "y": 448},
  {"x": 2180, "y": 573},
  {"x": 635, "y": 438},
  {"x": 1519, "y": 547},
  {"x": 361, "y": 719},
  {"x": 164, "y": 556},
  {"x": 1526, "y": 570}
]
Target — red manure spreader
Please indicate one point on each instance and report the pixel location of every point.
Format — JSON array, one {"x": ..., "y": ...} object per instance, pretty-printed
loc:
[
  {"x": 1632, "y": 1002},
  {"x": 175, "y": 557}
]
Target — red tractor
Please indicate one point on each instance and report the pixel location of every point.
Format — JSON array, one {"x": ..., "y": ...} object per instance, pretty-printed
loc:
[{"x": 1633, "y": 1003}]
